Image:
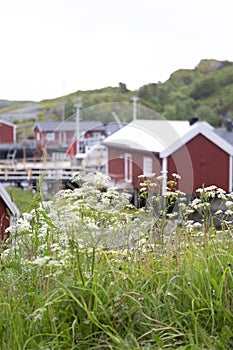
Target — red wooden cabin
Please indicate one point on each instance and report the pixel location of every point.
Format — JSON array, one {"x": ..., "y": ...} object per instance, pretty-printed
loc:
[
  {"x": 193, "y": 151},
  {"x": 7, "y": 132}
]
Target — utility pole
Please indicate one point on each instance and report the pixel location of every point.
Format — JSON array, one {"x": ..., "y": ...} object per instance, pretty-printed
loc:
[
  {"x": 135, "y": 99},
  {"x": 63, "y": 103},
  {"x": 63, "y": 109}
]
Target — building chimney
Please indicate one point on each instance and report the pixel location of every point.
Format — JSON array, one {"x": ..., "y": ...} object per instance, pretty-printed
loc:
[
  {"x": 229, "y": 125},
  {"x": 193, "y": 120}
]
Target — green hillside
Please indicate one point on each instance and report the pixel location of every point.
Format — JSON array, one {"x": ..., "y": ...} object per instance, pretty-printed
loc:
[{"x": 205, "y": 91}]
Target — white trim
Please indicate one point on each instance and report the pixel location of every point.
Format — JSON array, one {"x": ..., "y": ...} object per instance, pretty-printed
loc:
[
  {"x": 128, "y": 167},
  {"x": 64, "y": 138},
  {"x": 50, "y": 136},
  {"x": 107, "y": 162},
  {"x": 230, "y": 173},
  {"x": 147, "y": 166},
  {"x": 164, "y": 175},
  {"x": 14, "y": 135},
  {"x": 7, "y": 200},
  {"x": 7, "y": 123},
  {"x": 198, "y": 128}
]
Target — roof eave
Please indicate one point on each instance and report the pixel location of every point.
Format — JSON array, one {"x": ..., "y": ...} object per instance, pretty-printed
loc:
[
  {"x": 9, "y": 203},
  {"x": 123, "y": 146}
]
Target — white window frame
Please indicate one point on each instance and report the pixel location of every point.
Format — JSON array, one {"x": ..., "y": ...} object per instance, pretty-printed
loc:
[
  {"x": 128, "y": 167},
  {"x": 64, "y": 138},
  {"x": 147, "y": 166},
  {"x": 50, "y": 136}
]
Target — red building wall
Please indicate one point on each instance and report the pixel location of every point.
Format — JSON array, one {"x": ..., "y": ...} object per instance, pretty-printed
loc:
[
  {"x": 63, "y": 138},
  {"x": 7, "y": 133},
  {"x": 116, "y": 166},
  {"x": 4, "y": 219},
  {"x": 60, "y": 137},
  {"x": 200, "y": 163}
]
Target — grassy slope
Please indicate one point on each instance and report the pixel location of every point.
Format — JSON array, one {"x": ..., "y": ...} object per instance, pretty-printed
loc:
[{"x": 178, "y": 98}]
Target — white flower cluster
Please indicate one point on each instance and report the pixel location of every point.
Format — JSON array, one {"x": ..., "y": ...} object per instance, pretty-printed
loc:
[
  {"x": 96, "y": 216},
  {"x": 88, "y": 216}
]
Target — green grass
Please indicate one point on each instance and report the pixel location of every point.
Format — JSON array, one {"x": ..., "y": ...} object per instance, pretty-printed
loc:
[
  {"x": 22, "y": 198},
  {"x": 64, "y": 285}
]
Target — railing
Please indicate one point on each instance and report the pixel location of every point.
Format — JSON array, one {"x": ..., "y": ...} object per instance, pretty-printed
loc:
[{"x": 28, "y": 171}]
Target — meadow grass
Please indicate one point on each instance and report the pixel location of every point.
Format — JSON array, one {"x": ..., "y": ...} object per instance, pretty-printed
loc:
[
  {"x": 66, "y": 285},
  {"x": 21, "y": 197}
]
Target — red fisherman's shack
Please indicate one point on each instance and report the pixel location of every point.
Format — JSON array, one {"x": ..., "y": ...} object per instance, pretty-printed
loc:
[
  {"x": 191, "y": 149},
  {"x": 7, "y": 132}
]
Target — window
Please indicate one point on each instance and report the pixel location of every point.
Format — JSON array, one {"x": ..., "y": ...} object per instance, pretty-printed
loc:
[
  {"x": 147, "y": 166},
  {"x": 128, "y": 166},
  {"x": 50, "y": 136}
]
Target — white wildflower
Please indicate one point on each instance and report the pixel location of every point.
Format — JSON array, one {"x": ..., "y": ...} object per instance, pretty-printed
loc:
[
  {"x": 41, "y": 261},
  {"x": 182, "y": 205},
  {"x": 218, "y": 212},
  {"x": 176, "y": 176},
  {"x": 210, "y": 188},
  {"x": 229, "y": 204},
  {"x": 55, "y": 263},
  {"x": 197, "y": 225},
  {"x": 221, "y": 193},
  {"x": 195, "y": 203}
]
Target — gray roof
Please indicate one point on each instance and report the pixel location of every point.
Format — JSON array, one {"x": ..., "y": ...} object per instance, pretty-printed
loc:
[
  {"x": 68, "y": 126},
  {"x": 225, "y": 134}
]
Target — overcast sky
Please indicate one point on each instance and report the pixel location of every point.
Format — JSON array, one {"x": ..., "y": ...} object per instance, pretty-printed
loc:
[{"x": 54, "y": 47}]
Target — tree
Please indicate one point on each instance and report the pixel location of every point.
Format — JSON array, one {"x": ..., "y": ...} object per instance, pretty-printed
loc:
[{"x": 122, "y": 88}]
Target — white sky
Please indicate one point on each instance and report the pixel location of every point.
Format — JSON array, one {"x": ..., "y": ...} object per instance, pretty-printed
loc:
[{"x": 54, "y": 47}]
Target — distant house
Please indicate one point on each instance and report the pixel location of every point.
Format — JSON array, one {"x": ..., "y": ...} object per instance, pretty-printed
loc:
[
  {"x": 94, "y": 136},
  {"x": 7, "y": 132},
  {"x": 8, "y": 212},
  {"x": 57, "y": 135},
  {"x": 190, "y": 149}
]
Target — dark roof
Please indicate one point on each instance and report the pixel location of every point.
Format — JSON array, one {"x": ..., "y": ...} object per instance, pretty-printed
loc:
[
  {"x": 225, "y": 134},
  {"x": 68, "y": 126}
]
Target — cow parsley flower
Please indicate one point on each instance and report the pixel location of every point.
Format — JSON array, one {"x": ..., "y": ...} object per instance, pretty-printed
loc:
[
  {"x": 40, "y": 261},
  {"x": 229, "y": 204},
  {"x": 176, "y": 176}
]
